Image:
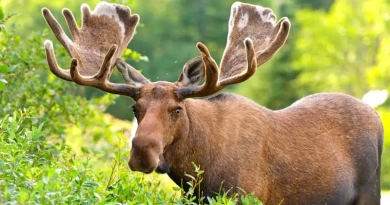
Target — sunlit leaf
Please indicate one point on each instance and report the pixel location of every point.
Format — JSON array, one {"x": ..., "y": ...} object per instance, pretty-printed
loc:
[
  {"x": 4, "y": 68},
  {"x": 13, "y": 14},
  {"x": 1, "y": 13},
  {"x": 2, "y": 85}
]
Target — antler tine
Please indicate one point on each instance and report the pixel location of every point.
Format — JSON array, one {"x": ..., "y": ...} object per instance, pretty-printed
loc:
[
  {"x": 210, "y": 85},
  {"x": 52, "y": 62},
  {"x": 282, "y": 28},
  {"x": 129, "y": 26},
  {"x": 251, "y": 67},
  {"x": 71, "y": 22},
  {"x": 101, "y": 79},
  {"x": 86, "y": 13},
  {"x": 57, "y": 30},
  {"x": 130, "y": 74}
]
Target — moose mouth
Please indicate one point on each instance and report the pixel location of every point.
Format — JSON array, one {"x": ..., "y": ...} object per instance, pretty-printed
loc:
[{"x": 162, "y": 167}]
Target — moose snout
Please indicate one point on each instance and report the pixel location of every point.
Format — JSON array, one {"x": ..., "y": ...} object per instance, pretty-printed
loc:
[
  {"x": 136, "y": 164},
  {"x": 144, "y": 157}
]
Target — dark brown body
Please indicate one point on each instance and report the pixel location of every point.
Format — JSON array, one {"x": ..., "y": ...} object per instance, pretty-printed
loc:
[{"x": 323, "y": 149}]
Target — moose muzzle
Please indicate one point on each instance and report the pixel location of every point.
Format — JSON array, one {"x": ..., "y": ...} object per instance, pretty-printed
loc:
[{"x": 145, "y": 155}]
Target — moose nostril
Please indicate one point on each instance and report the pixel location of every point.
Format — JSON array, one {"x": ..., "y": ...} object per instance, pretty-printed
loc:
[
  {"x": 147, "y": 171},
  {"x": 143, "y": 161},
  {"x": 140, "y": 169}
]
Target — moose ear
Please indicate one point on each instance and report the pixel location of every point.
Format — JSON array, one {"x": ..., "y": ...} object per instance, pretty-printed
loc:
[{"x": 193, "y": 73}]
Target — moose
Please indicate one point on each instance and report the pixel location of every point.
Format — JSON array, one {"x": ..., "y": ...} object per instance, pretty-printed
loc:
[{"x": 323, "y": 149}]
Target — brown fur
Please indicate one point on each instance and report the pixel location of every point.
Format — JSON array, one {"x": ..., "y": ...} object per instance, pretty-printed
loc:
[{"x": 324, "y": 149}]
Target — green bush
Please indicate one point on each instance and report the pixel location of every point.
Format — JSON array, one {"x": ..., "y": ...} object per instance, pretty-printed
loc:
[{"x": 36, "y": 171}]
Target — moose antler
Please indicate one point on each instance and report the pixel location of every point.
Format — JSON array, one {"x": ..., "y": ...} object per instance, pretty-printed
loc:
[
  {"x": 253, "y": 38},
  {"x": 104, "y": 35}
]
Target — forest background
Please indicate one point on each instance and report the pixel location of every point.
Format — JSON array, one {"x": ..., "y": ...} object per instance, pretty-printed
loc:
[{"x": 334, "y": 46}]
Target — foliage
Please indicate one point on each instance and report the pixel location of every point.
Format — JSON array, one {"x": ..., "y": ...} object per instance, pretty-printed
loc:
[
  {"x": 3, "y": 68},
  {"x": 37, "y": 171},
  {"x": 26, "y": 78},
  {"x": 4, "y": 18}
]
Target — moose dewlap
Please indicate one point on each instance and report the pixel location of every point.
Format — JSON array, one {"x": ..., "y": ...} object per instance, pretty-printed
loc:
[{"x": 324, "y": 149}]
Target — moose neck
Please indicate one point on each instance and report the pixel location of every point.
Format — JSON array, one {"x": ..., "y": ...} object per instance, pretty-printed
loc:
[
  {"x": 192, "y": 145},
  {"x": 213, "y": 131}
]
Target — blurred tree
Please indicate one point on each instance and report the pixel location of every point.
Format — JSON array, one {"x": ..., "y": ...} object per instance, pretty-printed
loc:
[{"x": 344, "y": 50}]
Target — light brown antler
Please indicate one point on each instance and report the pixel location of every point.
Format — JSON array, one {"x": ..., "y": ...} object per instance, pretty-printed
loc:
[
  {"x": 253, "y": 38},
  {"x": 104, "y": 35}
]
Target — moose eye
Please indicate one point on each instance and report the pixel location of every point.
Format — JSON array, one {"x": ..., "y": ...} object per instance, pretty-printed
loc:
[
  {"x": 135, "y": 111},
  {"x": 178, "y": 110}
]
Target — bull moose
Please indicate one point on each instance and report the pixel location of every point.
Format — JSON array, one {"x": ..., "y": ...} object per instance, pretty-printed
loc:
[{"x": 323, "y": 149}]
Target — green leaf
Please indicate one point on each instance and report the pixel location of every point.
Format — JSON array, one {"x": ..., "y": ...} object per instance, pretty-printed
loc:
[
  {"x": 85, "y": 150},
  {"x": 2, "y": 85},
  {"x": 1, "y": 13},
  {"x": 13, "y": 14},
  {"x": 97, "y": 196},
  {"x": 45, "y": 180},
  {"x": 4, "y": 68}
]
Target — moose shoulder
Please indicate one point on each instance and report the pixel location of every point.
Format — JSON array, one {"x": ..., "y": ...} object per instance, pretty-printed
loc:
[{"x": 324, "y": 149}]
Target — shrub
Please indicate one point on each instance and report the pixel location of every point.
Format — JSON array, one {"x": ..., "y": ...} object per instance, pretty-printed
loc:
[{"x": 37, "y": 171}]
